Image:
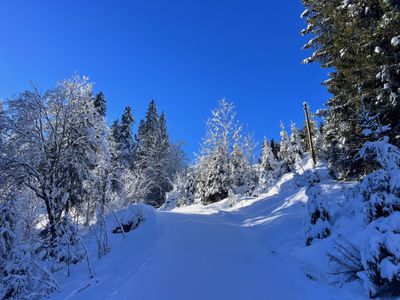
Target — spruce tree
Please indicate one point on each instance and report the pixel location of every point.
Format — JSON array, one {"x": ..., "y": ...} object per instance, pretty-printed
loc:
[
  {"x": 317, "y": 221},
  {"x": 238, "y": 170},
  {"x": 100, "y": 104},
  {"x": 295, "y": 139},
  {"x": 355, "y": 39},
  {"x": 274, "y": 148},
  {"x": 286, "y": 154},
  {"x": 125, "y": 144},
  {"x": 152, "y": 153},
  {"x": 217, "y": 181},
  {"x": 268, "y": 167},
  {"x": 212, "y": 169}
]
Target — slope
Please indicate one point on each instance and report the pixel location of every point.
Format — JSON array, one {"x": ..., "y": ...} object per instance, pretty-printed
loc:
[{"x": 254, "y": 250}]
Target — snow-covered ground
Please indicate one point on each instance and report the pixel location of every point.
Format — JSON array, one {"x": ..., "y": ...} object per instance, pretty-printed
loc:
[{"x": 254, "y": 250}]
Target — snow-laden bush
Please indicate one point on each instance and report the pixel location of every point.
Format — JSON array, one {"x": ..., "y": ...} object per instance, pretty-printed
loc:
[
  {"x": 380, "y": 193},
  {"x": 128, "y": 219},
  {"x": 381, "y": 256},
  {"x": 20, "y": 276},
  {"x": 172, "y": 199},
  {"x": 183, "y": 190},
  {"x": 380, "y": 190},
  {"x": 317, "y": 220}
]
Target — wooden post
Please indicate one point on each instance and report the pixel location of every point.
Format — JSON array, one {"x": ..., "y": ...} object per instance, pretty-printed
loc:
[{"x": 310, "y": 141}]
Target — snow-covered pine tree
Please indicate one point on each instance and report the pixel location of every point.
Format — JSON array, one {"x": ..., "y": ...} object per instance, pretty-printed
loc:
[
  {"x": 153, "y": 153},
  {"x": 295, "y": 139},
  {"x": 318, "y": 139},
  {"x": 238, "y": 170},
  {"x": 116, "y": 168},
  {"x": 380, "y": 193},
  {"x": 249, "y": 146},
  {"x": 274, "y": 148},
  {"x": 212, "y": 168},
  {"x": 100, "y": 104},
  {"x": 166, "y": 172},
  {"x": 217, "y": 179},
  {"x": 67, "y": 248},
  {"x": 317, "y": 224},
  {"x": 365, "y": 63},
  {"x": 268, "y": 168},
  {"x": 286, "y": 154},
  {"x": 125, "y": 142},
  {"x": 189, "y": 188}
]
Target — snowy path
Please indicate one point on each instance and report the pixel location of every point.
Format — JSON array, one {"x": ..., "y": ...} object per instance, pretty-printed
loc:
[
  {"x": 255, "y": 251},
  {"x": 210, "y": 257}
]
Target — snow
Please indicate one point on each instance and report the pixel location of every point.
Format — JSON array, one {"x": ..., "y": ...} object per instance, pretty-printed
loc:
[
  {"x": 395, "y": 41},
  {"x": 253, "y": 250},
  {"x": 378, "y": 50}
]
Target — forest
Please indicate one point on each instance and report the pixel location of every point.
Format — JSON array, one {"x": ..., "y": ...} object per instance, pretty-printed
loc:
[{"x": 66, "y": 169}]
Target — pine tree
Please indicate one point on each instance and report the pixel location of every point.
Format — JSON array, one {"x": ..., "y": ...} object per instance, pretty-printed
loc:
[
  {"x": 268, "y": 167},
  {"x": 274, "y": 148},
  {"x": 125, "y": 144},
  {"x": 295, "y": 140},
  {"x": 212, "y": 169},
  {"x": 153, "y": 153},
  {"x": 286, "y": 153},
  {"x": 238, "y": 170},
  {"x": 355, "y": 38},
  {"x": 100, "y": 104},
  {"x": 318, "y": 217},
  {"x": 379, "y": 192},
  {"x": 189, "y": 189},
  {"x": 217, "y": 181}
]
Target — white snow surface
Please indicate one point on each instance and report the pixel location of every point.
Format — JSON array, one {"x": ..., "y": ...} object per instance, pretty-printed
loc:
[{"x": 254, "y": 250}]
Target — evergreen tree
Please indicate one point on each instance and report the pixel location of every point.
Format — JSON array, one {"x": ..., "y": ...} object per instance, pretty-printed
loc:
[
  {"x": 318, "y": 217},
  {"x": 217, "y": 181},
  {"x": 268, "y": 167},
  {"x": 153, "y": 153},
  {"x": 286, "y": 153},
  {"x": 295, "y": 140},
  {"x": 100, "y": 104},
  {"x": 355, "y": 38},
  {"x": 189, "y": 189},
  {"x": 274, "y": 148},
  {"x": 238, "y": 168},
  {"x": 379, "y": 191},
  {"x": 125, "y": 143},
  {"x": 212, "y": 169}
]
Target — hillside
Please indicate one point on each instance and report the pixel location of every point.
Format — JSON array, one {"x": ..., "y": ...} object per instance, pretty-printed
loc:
[{"x": 253, "y": 250}]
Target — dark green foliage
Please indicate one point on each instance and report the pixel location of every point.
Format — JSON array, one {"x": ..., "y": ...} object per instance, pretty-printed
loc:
[
  {"x": 355, "y": 39},
  {"x": 152, "y": 153},
  {"x": 100, "y": 104}
]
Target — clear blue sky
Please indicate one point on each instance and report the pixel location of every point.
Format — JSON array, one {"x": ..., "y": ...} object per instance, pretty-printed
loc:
[{"x": 184, "y": 54}]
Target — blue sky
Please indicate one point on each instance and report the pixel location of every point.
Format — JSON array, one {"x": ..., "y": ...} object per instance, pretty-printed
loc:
[{"x": 184, "y": 54}]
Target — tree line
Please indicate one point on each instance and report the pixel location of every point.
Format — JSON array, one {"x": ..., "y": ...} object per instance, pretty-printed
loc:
[
  {"x": 359, "y": 40},
  {"x": 60, "y": 162}
]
